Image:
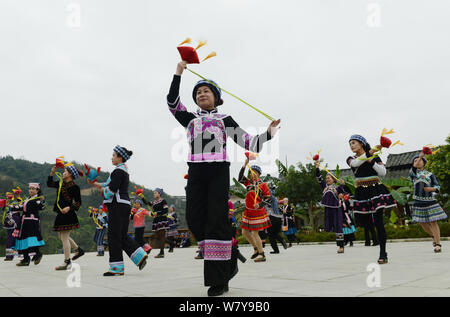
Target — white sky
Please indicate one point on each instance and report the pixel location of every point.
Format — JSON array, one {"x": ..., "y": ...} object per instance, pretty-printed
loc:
[{"x": 319, "y": 65}]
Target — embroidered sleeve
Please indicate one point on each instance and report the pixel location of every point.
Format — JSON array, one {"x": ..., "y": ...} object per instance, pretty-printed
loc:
[
  {"x": 241, "y": 178},
  {"x": 51, "y": 183},
  {"x": 243, "y": 139},
  {"x": 177, "y": 109},
  {"x": 267, "y": 197},
  {"x": 379, "y": 168},
  {"x": 116, "y": 181},
  {"x": 355, "y": 162},
  {"x": 76, "y": 195},
  {"x": 320, "y": 179},
  {"x": 435, "y": 183}
]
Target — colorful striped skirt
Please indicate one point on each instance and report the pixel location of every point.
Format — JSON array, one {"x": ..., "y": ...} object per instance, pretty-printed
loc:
[
  {"x": 425, "y": 212},
  {"x": 255, "y": 220}
]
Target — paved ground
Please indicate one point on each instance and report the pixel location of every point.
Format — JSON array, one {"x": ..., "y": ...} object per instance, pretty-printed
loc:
[{"x": 304, "y": 270}]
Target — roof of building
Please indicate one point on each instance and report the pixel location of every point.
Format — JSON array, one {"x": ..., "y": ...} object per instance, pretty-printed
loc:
[{"x": 401, "y": 160}]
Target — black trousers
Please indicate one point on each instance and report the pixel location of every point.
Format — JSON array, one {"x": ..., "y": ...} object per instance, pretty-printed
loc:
[
  {"x": 274, "y": 233},
  {"x": 376, "y": 220},
  {"x": 26, "y": 253},
  {"x": 207, "y": 218},
  {"x": 139, "y": 235},
  {"x": 349, "y": 238},
  {"x": 369, "y": 230},
  {"x": 118, "y": 238}
]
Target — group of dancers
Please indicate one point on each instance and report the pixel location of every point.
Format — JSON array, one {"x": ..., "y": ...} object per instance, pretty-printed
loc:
[{"x": 207, "y": 197}]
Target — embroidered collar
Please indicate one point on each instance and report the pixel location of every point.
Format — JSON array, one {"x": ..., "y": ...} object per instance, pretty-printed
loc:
[{"x": 206, "y": 112}]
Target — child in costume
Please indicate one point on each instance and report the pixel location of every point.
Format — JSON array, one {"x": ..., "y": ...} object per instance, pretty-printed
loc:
[
  {"x": 331, "y": 201},
  {"x": 255, "y": 216},
  {"x": 426, "y": 210},
  {"x": 101, "y": 226},
  {"x": 28, "y": 233},
  {"x": 10, "y": 224},
  {"x": 371, "y": 197},
  {"x": 138, "y": 214},
  {"x": 288, "y": 221},
  {"x": 172, "y": 232},
  {"x": 68, "y": 202},
  {"x": 209, "y": 176},
  {"x": 160, "y": 220},
  {"x": 117, "y": 200},
  {"x": 348, "y": 227}
]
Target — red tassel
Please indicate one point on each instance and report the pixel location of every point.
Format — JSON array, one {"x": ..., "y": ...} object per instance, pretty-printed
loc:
[
  {"x": 385, "y": 142},
  {"x": 426, "y": 150}
]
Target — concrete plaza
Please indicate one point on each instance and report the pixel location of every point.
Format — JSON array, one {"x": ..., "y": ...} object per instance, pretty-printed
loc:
[{"x": 302, "y": 270}]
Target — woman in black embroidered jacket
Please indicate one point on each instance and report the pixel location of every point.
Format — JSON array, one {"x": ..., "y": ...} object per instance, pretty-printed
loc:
[
  {"x": 209, "y": 174},
  {"x": 68, "y": 202},
  {"x": 371, "y": 197},
  {"x": 116, "y": 199},
  {"x": 28, "y": 235},
  {"x": 160, "y": 221}
]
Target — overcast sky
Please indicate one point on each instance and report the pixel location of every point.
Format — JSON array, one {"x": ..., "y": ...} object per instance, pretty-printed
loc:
[{"x": 79, "y": 77}]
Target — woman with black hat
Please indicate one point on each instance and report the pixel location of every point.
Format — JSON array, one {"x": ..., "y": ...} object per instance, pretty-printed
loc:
[
  {"x": 28, "y": 234},
  {"x": 425, "y": 209},
  {"x": 172, "y": 232},
  {"x": 68, "y": 202},
  {"x": 331, "y": 201},
  {"x": 160, "y": 220},
  {"x": 371, "y": 197},
  {"x": 117, "y": 200},
  {"x": 209, "y": 174}
]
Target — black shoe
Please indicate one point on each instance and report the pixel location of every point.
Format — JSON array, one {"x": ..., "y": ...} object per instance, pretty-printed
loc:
[
  {"x": 274, "y": 252},
  {"x": 67, "y": 264},
  {"x": 112, "y": 274},
  {"x": 383, "y": 259},
  {"x": 375, "y": 244},
  {"x": 37, "y": 258},
  {"x": 351, "y": 243},
  {"x": 80, "y": 253},
  {"x": 217, "y": 290},
  {"x": 290, "y": 245},
  {"x": 284, "y": 244},
  {"x": 226, "y": 288},
  {"x": 23, "y": 263},
  {"x": 255, "y": 254}
]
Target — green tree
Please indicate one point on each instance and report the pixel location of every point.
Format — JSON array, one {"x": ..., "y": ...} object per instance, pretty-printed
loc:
[
  {"x": 300, "y": 186},
  {"x": 439, "y": 165}
]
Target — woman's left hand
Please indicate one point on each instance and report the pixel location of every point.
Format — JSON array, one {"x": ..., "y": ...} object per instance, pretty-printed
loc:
[
  {"x": 272, "y": 129},
  {"x": 65, "y": 210},
  {"x": 429, "y": 189}
]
